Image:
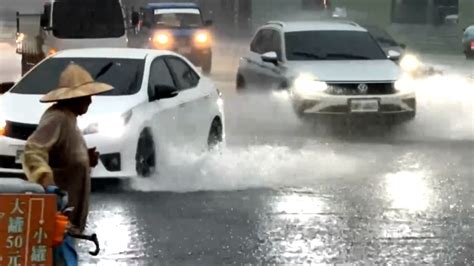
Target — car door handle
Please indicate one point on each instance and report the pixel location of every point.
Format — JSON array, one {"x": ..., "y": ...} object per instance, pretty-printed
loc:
[{"x": 182, "y": 105}]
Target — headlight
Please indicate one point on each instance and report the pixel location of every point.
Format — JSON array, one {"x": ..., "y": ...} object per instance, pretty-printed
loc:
[
  {"x": 111, "y": 127},
  {"x": 19, "y": 42},
  {"x": 410, "y": 63},
  {"x": 52, "y": 51},
  {"x": 202, "y": 38},
  {"x": 3, "y": 125},
  {"x": 162, "y": 40},
  {"x": 405, "y": 85},
  {"x": 308, "y": 85}
]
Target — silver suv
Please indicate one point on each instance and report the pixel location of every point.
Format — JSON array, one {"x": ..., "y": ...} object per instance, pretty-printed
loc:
[{"x": 330, "y": 68}]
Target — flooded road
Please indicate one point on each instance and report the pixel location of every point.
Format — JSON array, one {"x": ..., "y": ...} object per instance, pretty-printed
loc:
[{"x": 282, "y": 191}]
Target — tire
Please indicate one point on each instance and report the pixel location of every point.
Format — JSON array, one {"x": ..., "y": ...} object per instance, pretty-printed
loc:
[
  {"x": 207, "y": 65},
  {"x": 240, "y": 82},
  {"x": 216, "y": 135},
  {"x": 145, "y": 158}
]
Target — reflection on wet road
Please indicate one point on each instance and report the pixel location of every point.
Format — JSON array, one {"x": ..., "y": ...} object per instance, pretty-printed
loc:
[
  {"x": 285, "y": 192},
  {"x": 403, "y": 205}
]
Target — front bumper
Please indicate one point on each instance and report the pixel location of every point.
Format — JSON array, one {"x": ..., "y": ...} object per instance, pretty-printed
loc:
[
  {"x": 114, "y": 159},
  {"x": 398, "y": 105}
]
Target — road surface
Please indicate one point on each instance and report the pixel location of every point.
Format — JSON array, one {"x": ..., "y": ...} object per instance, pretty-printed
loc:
[{"x": 282, "y": 191}]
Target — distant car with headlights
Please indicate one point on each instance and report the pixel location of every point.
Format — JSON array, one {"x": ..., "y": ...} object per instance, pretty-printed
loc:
[
  {"x": 159, "y": 101},
  {"x": 179, "y": 27},
  {"x": 331, "y": 69},
  {"x": 468, "y": 42}
]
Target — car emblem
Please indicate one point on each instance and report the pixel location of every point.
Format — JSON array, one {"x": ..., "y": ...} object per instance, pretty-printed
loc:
[{"x": 363, "y": 88}]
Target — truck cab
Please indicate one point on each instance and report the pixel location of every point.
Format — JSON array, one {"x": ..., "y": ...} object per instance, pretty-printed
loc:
[
  {"x": 69, "y": 24},
  {"x": 178, "y": 27}
]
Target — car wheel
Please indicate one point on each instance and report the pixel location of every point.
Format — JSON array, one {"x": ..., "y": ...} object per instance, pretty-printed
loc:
[
  {"x": 145, "y": 159},
  {"x": 215, "y": 134},
  {"x": 240, "y": 82},
  {"x": 207, "y": 65}
]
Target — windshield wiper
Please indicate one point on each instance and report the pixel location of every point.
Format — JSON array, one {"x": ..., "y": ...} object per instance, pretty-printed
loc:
[
  {"x": 348, "y": 56},
  {"x": 307, "y": 54},
  {"x": 104, "y": 70}
]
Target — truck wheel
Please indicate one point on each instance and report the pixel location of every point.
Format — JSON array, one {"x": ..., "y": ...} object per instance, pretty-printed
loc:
[{"x": 207, "y": 65}]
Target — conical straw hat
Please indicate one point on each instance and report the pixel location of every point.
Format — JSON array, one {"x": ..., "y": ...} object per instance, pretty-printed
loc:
[{"x": 75, "y": 82}]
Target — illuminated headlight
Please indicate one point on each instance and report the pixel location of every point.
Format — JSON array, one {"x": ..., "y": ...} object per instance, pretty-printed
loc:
[
  {"x": 162, "y": 39},
  {"x": 19, "y": 42},
  {"x": 3, "y": 125},
  {"x": 202, "y": 38},
  {"x": 410, "y": 63},
  {"x": 405, "y": 85},
  {"x": 308, "y": 85},
  {"x": 111, "y": 127}
]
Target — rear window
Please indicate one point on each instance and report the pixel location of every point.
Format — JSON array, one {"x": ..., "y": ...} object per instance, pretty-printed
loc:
[
  {"x": 88, "y": 19},
  {"x": 125, "y": 75}
]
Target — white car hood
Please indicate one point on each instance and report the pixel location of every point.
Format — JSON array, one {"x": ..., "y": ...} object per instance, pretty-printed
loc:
[
  {"x": 25, "y": 108},
  {"x": 348, "y": 70}
]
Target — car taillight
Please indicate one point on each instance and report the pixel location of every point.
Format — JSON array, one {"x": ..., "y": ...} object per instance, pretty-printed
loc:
[{"x": 472, "y": 45}]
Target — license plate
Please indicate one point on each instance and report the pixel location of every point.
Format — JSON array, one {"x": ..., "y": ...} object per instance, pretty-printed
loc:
[
  {"x": 184, "y": 50},
  {"x": 19, "y": 153},
  {"x": 366, "y": 105}
]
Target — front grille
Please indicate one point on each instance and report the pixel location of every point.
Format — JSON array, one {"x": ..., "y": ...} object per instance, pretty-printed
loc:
[
  {"x": 182, "y": 41},
  {"x": 17, "y": 130},
  {"x": 9, "y": 162},
  {"x": 361, "y": 88}
]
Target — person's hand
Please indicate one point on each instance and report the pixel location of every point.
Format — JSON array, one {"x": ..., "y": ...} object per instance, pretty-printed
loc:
[{"x": 93, "y": 157}]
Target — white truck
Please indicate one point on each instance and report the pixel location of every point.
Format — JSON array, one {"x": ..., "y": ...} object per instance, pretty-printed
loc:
[{"x": 69, "y": 24}]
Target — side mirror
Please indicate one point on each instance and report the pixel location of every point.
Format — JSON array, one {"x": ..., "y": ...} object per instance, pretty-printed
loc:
[
  {"x": 208, "y": 23},
  {"x": 394, "y": 55},
  {"x": 165, "y": 92},
  {"x": 6, "y": 86},
  {"x": 135, "y": 18},
  {"x": 270, "y": 57}
]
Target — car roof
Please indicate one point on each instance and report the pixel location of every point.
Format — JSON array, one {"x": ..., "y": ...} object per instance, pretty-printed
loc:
[
  {"x": 329, "y": 25},
  {"x": 121, "y": 53},
  {"x": 171, "y": 5}
]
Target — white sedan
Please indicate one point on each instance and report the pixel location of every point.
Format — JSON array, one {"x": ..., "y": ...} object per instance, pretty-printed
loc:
[{"x": 159, "y": 101}]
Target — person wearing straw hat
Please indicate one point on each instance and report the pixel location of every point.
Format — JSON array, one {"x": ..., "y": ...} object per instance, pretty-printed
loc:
[{"x": 56, "y": 154}]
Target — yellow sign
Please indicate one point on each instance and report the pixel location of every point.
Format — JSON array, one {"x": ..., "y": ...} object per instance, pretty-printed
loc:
[{"x": 27, "y": 229}]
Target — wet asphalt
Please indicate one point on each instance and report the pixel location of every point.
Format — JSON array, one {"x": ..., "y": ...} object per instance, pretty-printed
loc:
[{"x": 283, "y": 191}]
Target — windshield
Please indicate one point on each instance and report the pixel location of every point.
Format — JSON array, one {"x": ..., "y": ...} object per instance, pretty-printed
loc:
[
  {"x": 185, "y": 18},
  {"x": 91, "y": 20},
  {"x": 381, "y": 36},
  {"x": 331, "y": 45},
  {"x": 125, "y": 75}
]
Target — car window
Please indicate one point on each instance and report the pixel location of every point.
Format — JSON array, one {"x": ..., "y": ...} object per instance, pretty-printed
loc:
[
  {"x": 159, "y": 75},
  {"x": 125, "y": 75},
  {"x": 184, "y": 75},
  {"x": 332, "y": 45},
  {"x": 276, "y": 43},
  {"x": 262, "y": 42}
]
